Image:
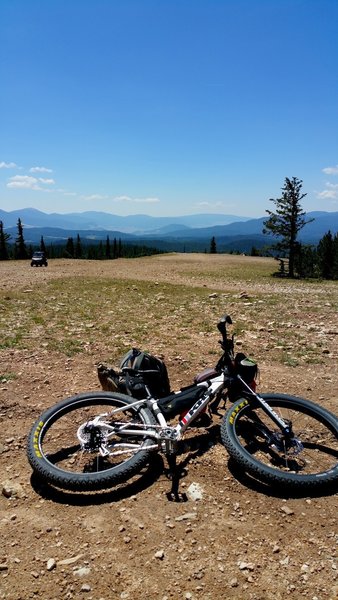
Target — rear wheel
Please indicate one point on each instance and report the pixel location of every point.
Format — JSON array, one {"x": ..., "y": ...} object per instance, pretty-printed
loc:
[
  {"x": 307, "y": 459},
  {"x": 79, "y": 443}
]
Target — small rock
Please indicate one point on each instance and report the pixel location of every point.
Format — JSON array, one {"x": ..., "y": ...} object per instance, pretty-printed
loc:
[
  {"x": 159, "y": 554},
  {"x": 85, "y": 588},
  {"x": 186, "y": 517},
  {"x": 287, "y": 510},
  {"x": 246, "y": 566},
  {"x": 70, "y": 561},
  {"x": 233, "y": 582},
  {"x": 51, "y": 564},
  {"x": 195, "y": 492},
  {"x": 82, "y": 572},
  {"x": 10, "y": 489},
  {"x": 35, "y": 574},
  {"x": 3, "y": 567}
]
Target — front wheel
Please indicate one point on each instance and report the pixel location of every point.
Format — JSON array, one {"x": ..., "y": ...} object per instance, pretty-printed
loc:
[
  {"x": 82, "y": 443},
  {"x": 307, "y": 459}
]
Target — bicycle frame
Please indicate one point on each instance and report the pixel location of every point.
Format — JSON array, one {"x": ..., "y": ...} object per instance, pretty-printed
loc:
[{"x": 166, "y": 436}]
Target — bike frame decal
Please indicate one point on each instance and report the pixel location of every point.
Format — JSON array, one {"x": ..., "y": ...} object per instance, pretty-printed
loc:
[
  {"x": 236, "y": 410},
  {"x": 36, "y": 440}
]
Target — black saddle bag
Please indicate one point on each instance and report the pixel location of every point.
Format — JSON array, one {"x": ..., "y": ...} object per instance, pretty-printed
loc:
[{"x": 180, "y": 402}]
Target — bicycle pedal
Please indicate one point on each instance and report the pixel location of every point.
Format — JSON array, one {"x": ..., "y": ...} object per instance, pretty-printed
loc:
[{"x": 177, "y": 497}]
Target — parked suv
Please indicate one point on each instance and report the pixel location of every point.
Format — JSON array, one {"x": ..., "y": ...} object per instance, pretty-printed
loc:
[{"x": 39, "y": 259}]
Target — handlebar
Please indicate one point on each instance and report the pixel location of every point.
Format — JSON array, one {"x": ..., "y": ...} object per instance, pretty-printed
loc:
[
  {"x": 222, "y": 326},
  {"x": 226, "y": 344}
]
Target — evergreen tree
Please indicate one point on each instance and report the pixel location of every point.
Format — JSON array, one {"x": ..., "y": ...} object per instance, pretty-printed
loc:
[
  {"x": 288, "y": 220},
  {"x": 213, "y": 247},
  {"x": 326, "y": 256},
  {"x": 42, "y": 245},
  {"x": 4, "y": 237},
  {"x": 20, "y": 250},
  {"x": 115, "y": 249},
  {"x": 100, "y": 252},
  {"x": 108, "y": 255},
  {"x": 69, "y": 250},
  {"x": 335, "y": 257},
  {"x": 78, "y": 248},
  {"x": 306, "y": 261}
]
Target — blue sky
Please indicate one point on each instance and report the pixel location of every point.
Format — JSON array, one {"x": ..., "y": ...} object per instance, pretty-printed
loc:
[{"x": 167, "y": 107}]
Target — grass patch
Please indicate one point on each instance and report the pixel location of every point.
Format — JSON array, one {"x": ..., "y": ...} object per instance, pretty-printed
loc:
[
  {"x": 106, "y": 317},
  {"x": 7, "y": 377}
]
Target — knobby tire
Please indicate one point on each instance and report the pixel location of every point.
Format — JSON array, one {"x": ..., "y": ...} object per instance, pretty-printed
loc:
[
  {"x": 315, "y": 462},
  {"x": 54, "y": 451}
]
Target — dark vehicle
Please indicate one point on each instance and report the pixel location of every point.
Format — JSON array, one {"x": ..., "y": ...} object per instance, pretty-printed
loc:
[{"x": 39, "y": 260}]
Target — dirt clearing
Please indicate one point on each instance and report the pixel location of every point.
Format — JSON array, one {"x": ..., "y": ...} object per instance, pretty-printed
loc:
[{"x": 240, "y": 540}]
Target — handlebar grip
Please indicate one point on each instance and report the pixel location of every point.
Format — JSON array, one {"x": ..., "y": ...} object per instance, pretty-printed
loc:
[{"x": 221, "y": 326}]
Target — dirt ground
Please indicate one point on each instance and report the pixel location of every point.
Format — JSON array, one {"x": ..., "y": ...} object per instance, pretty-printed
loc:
[{"x": 239, "y": 540}]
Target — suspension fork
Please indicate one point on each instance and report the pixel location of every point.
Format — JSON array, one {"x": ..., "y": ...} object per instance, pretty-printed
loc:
[{"x": 283, "y": 425}]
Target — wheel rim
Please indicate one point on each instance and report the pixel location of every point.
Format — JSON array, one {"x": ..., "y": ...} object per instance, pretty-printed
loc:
[{"x": 61, "y": 439}]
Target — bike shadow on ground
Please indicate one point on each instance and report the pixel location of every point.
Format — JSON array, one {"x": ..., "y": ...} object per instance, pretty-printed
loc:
[
  {"x": 188, "y": 450},
  {"x": 191, "y": 448},
  {"x": 276, "y": 491},
  {"x": 199, "y": 444},
  {"x": 146, "y": 478}
]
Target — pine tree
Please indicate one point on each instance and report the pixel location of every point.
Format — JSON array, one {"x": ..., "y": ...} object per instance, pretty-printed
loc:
[
  {"x": 335, "y": 257},
  {"x": 108, "y": 255},
  {"x": 69, "y": 250},
  {"x": 78, "y": 248},
  {"x": 4, "y": 237},
  {"x": 20, "y": 250},
  {"x": 326, "y": 256},
  {"x": 42, "y": 245},
  {"x": 288, "y": 220},
  {"x": 213, "y": 247},
  {"x": 305, "y": 261},
  {"x": 100, "y": 252}
]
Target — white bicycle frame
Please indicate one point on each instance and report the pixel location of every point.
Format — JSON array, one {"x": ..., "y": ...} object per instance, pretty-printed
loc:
[{"x": 164, "y": 434}]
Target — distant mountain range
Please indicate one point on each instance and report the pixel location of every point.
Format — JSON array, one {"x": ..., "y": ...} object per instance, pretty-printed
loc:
[
  {"x": 92, "y": 220},
  {"x": 190, "y": 232}
]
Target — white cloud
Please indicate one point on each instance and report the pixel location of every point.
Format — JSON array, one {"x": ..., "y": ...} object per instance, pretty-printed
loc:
[
  {"x": 24, "y": 182},
  {"x": 27, "y": 182},
  {"x": 220, "y": 205},
  {"x": 123, "y": 199},
  {"x": 331, "y": 170},
  {"x": 149, "y": 200},
  {"x": 328, "y": 194},
  {"x": 47, "y": 181},
  {"x": 40, "y": 170},
  {"x": 11, "y": 165},
  {"x": 95, "y": 197}
]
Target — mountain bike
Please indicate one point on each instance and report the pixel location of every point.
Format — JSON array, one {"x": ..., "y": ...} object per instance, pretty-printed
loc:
[{"x": 95, "y": 440}]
